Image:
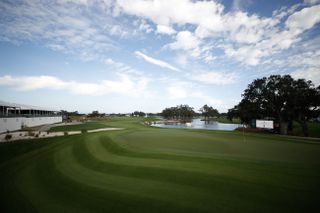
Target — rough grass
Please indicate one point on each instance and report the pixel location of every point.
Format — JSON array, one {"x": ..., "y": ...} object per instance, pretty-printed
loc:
[
  {"x": 314, "y": 129},
  {"x": 224, "y": 119},
  {"x": 145, "y": 169}
]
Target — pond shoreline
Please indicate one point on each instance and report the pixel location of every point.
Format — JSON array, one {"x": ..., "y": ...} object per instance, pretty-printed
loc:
[{"x": 196, "y": 123}]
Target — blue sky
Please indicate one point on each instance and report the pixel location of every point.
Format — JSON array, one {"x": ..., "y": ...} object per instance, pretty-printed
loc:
[{"x": 126, "y": 55}]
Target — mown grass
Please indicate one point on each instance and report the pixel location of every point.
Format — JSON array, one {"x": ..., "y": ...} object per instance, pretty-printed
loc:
[
  {"x": 79, "y": 127},
  {"x": 145, "y": 169}
]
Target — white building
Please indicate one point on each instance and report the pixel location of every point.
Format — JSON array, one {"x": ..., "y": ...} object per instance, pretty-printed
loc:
[{"x": 16, "y": 116}]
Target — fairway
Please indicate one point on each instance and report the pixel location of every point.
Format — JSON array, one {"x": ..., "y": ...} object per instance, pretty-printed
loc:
[{"x": 148, "y": 169}]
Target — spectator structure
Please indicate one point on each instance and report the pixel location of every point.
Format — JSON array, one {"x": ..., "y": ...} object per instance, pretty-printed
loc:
[{"x": 17, "y": 116}]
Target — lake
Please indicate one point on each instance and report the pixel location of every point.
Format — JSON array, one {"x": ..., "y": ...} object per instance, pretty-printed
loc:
[{"x": 197, "y": 124}]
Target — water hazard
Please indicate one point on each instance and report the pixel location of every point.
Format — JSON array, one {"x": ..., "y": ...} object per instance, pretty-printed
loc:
[{"x": 197, "y": 124}]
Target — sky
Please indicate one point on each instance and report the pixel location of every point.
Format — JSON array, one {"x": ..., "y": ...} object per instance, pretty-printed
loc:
[{"x": 126, "y": 55}]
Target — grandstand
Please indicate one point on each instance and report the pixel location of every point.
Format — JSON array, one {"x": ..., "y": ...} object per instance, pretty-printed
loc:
[{"x": 17, "y": 116}]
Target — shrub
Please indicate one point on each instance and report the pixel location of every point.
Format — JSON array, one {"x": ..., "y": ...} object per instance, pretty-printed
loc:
[
  {"x": 8, "y": 137},
  {"x": 65, "y": 133},
  {"x": 36, "y": 135},
  {"x": 83, "y": 131},
  {"x": 30, "y": 133}
]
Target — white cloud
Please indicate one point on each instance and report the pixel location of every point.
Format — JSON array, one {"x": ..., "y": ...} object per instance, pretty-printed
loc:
[
  {"x": 116, "y": 30},
  {"x": 185, "y": 40},
  {"x": 67, "y": 26},
  {"x": 306, "y": 59},
  {"x": 154, "y": 61},
  {"x": 303, "y": 19},
  {"x": 181, "y": 59},
  {"x": 312, "y": 74},
  {"x": 162, "y": 12},
  {"x": 278, "y": 40},
  {"x": 144, "y": 26},
  {"x": 80, "y": 2},
  {"x": 125, "y": 85},
  {"x": 196, "y": 30},
  {"x": 33, "y": 83},
  {"x": 207, "y": 16},
  {"x": 121, "y": 68},
  {"x": 238, "y": 5},
  {"x": 216, "y": 78},
  {"x": 183, "y": 90},
  {"x": 90, "y": 29},
  {"x": 243, "y": 34},
  {"x": 177, "y": 92},
  {"x": 246, "y": 54},
  {"x": 207, "y": 99},
  {"x": 165, "y": 29},
  {"x": 311, "y": 2},
  {"x": 208, "y": 58},
  {"x": 109, "y": 61},
  {"x": 247, "y": 29}
]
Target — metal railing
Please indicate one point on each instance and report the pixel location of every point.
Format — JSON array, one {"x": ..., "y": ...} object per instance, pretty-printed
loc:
[{"x": 27, "y": 115}]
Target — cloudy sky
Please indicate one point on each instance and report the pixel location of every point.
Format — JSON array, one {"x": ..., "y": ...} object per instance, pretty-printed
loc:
[{"x": 125, "y": 55}]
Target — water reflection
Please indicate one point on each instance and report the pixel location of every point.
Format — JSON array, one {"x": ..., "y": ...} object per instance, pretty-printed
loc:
[{"x": 197, "y": 124}]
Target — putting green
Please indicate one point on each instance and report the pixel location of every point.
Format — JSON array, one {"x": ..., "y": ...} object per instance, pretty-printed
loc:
[{"x": 146, "y": 169}]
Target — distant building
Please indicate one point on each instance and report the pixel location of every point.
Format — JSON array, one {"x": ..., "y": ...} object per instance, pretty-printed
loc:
[{"x": 17, "y": 116}]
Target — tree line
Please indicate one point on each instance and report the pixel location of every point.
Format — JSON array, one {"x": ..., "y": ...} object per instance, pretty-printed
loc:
[
  {"x": 138, "y": 114},
  {"x": 209, "y": 112},
  {"x": 280, "y": 98},
  {"x": 185, "y": 112}
]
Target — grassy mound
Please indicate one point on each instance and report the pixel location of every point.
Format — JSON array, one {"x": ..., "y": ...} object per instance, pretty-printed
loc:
[
  {"x": 145, "y": 169},
  {"x": 79, "y": 127}
]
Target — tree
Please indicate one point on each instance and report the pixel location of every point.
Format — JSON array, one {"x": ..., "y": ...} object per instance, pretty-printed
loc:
[
  {"x": 306, "y": 103},
  {"x": 233, "y": 113},
  {"x": 205, "y": 111},
  {"x": 96, "y": 114},
  {"x": 281, "y": 98},
  {"x": 180, "y": 112},
  {"x": 208, "y": 111},
  {"x": 138, "y": 114}
]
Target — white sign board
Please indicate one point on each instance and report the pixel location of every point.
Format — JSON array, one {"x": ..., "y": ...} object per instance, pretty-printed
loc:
[{"x": 264, "y": 124}]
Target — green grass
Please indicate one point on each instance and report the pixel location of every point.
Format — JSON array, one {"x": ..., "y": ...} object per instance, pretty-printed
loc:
[
  {"x": 79, "y": 127},
  {"x": 224, "y": 119},
  {"x": 314, "y": 129},
  {"x": 147, "y": 169}
]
